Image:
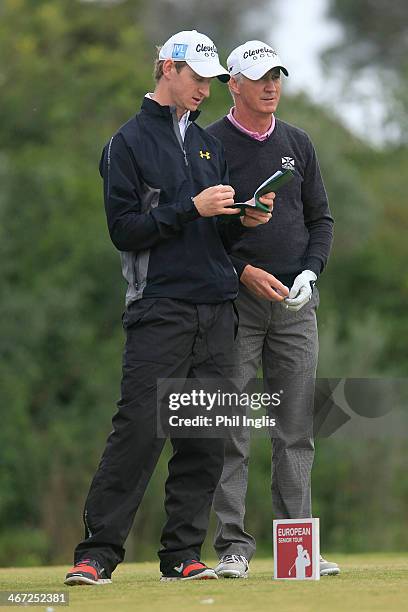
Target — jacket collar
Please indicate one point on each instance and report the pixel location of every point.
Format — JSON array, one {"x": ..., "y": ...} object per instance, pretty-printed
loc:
[{"x": 154, "y": 108}]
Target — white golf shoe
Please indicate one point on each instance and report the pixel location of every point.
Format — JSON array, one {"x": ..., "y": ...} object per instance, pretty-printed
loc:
[
  {"x": 328, "y": 568},
  {"x": 232, "y": 566}
]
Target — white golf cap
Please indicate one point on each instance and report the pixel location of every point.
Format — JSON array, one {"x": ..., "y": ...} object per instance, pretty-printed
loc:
[
  {"x": 198, "y": 51},
  {"x": 254, "y": 59}
]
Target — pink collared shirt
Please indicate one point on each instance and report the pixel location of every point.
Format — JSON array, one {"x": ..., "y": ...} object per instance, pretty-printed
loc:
[{"x": 254, "y": 135}]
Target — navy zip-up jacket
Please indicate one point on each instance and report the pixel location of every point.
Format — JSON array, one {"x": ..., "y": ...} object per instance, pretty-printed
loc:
[{"x": 150, "y": 177}]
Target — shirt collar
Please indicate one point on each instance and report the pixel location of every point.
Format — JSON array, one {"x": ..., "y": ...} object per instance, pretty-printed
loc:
[{"x": 254, "y": 135}]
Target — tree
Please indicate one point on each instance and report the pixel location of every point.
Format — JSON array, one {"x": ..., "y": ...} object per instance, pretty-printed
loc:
[
  {"x": 69, "y": 80},
  {"x": 375, "y": 33},
  {"x": 375, "y": 42}
]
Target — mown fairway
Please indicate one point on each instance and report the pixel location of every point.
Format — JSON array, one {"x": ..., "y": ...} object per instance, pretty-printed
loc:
[{"x": 368, "y": 582}]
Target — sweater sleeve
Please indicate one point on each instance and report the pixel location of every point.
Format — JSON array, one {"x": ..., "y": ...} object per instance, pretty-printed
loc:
[
  {"x": 318, "y": 218},
  {"x": 130, "y": 228}
]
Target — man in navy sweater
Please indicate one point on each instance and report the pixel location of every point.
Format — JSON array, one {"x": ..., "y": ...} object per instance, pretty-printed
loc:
[
  {"x": 165, "y": 184},
  {"x": 279, "y": 332}
]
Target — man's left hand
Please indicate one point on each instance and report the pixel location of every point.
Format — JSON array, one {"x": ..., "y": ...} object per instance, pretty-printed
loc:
[
  {"x": 301, "y": 291},
  {"x": 253, "y": 216}
]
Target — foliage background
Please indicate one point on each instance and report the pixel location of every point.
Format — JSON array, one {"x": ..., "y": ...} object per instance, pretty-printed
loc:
[{"x": 71, "y": 72}]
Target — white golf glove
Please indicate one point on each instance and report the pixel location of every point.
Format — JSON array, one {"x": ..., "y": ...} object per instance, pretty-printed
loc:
[{"x": 301, "y": 291}]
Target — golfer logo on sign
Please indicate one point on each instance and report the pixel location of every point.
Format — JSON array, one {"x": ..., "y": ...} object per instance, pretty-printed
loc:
[{"x": 301, "y": 562}]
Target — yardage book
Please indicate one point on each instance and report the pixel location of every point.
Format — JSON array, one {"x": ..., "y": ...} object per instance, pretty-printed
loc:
[
  {"x": 273, "y": 183},
  {"x": 296, "y": 549}
]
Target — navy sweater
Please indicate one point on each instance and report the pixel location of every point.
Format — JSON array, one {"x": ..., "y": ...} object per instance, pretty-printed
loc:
[{"x": 300, "y": 233}]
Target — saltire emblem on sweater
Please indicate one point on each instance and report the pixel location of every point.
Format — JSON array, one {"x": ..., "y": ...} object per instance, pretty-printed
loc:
[{"x": 288, "y": 163}]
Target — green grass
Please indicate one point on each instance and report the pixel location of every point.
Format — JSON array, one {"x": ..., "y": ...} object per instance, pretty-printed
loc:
[{"x": 368, "y": 582}]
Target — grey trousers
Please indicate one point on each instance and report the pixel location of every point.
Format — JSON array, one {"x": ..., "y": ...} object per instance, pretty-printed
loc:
[{"x": 286, "y": 343}]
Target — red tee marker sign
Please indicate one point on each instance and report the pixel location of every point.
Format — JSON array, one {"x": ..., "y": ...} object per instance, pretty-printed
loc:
[{"x": 296, "y": 549}]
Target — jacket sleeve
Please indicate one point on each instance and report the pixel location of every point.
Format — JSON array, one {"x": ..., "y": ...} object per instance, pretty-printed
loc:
[
  {"x": 318, "y": 218},
  {"x": 130, "y": 228}
]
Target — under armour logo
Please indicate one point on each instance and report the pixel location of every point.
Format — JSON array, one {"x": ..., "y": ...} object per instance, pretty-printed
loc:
[
  {"x": 205, "y": 154},
  {"x": 288, "y": 163}
]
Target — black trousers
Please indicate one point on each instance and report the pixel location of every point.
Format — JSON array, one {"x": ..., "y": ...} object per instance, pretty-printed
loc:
[{"x": 165, "y": 338}]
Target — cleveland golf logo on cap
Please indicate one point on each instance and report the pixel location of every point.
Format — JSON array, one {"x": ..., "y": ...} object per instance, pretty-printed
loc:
[
  {"x": 179, "y": 51},
  {"x": 254, "y": 59},
  {"x": 207, "y": 50},
  {"x": 259, "y": 53}
]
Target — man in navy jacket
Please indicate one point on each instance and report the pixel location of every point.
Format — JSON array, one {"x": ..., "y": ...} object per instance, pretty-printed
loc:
[{"x": 165, "y": 185}]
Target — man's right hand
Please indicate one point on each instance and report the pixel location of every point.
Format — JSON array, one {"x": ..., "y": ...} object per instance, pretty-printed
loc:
[
  {"x": 216, "y": 201},
  {"x": 263, "y": 284}
]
